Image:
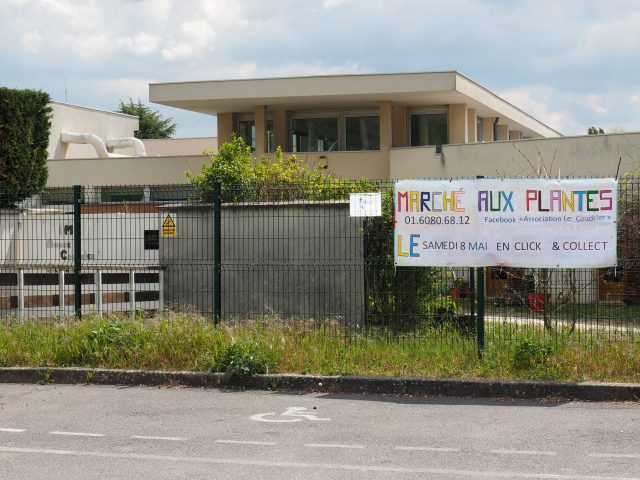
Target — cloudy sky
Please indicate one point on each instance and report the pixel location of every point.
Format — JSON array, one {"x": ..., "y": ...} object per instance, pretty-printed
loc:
[{"x": 569, "y": 63}]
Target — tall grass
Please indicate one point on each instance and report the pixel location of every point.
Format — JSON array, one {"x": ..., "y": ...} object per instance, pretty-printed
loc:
[{"x": 188, "y": 342}]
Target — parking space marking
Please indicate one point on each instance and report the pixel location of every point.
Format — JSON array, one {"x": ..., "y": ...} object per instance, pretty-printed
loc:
[
  {"x": 247, "y": 442},
  {"x": 334, "y": 445},
  {"x": 615, "y": 455},
  {"x": 152, "y": 437},
  {"x": 523, "y": 452},
  {"x": 291, "y": 414},
  {"x": 78, "y": 434},
  {"x": 428, "y": 449},
  {"x": 12, "y": 430}
]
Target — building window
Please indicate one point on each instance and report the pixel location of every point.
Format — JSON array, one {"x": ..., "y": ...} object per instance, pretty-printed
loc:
[
  {"x": 428, "y": 129},
  {"x": 480, "y": 130},
  {"x": 247, "y": 131},
  {"x": 362, "y": 133},
  {"x": 314, "y": 134}
]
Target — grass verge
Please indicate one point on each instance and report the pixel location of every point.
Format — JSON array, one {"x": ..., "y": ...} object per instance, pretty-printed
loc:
[{"x": 188, "y": 342}]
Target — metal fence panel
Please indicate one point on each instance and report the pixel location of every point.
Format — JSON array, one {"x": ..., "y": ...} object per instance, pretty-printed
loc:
[{"x": 297, "y": 255}]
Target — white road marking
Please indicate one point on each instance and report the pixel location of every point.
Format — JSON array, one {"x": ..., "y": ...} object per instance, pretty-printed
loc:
[
  {"x": 78, "y": 434},
  {"x": 151, "y": 437},
  {"x": 12, "y": 430},
  {"x": 523, "y": 452},
  {"x": 315, "y": 466},
  {"x": 246, "y": 442},
  {"x": 333, "y": 445},
  {"x": 615, "y": 455},
  {"x": 291, "y": 414},
  {"x": 428, "y": 449}
]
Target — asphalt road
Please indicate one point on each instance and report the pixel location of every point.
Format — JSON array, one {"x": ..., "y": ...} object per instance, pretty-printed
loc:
[{"x": 101, "y": 432}]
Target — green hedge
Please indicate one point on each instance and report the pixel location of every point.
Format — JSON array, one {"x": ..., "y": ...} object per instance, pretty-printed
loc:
[{"x": 25, "y": 121}]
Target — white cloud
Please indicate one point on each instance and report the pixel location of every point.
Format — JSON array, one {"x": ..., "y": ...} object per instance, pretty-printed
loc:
[
  {"x": 197, "y": 36},
  {"x": 141, "y": 44},
  {"x": 593, "y": 101},
  {"x": 536, "y": 102},
  {"x": 331, "y": 4},
  {"x": 31, "y": 41},
  {"x": 635, "y": 99}
]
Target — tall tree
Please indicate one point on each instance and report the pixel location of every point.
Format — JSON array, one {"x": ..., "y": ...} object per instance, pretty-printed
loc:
[
  {"x": 25, "y": 121},
  {"x": 152, "y": 125},
  {"x": 595, "y": 131}
]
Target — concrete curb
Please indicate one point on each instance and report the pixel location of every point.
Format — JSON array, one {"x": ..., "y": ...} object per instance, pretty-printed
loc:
[{"x": 606, "y": 392}]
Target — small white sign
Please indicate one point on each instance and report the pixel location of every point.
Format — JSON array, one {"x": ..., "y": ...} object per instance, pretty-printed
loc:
[{"x": 365, "y": 204}]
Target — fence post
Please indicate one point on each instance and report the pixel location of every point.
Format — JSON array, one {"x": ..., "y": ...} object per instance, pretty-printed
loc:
[
  {"x": 161, "y": 291},
  {"x": 21, "y": 313},
  {"x": 217, "y": 253},
  {"x": 77, "y": 250},
  {"x": 480, "y": 295},
  {"x": 132, "y": 294},
  {"x": 61, "y": 291},
  {"x": 480, "y": 320},
  {"x": 97, "y": 280}
]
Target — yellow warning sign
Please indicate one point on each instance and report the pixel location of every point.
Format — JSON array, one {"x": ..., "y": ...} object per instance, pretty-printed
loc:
[{"x": 169, "y": 227}]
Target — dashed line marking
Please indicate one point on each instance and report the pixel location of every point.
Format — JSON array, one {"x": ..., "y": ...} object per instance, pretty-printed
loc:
[
  {"x": 614, "y": 455},
  {"x": 334, "y": 445},
  {"x": 523, "y": 452},
  {"x": 152, "y": 437},
  {"x": 78, "y": 434},
  {"x": 246, "y": 442},
  {"x": 428, "y": 449},
  {"x": 12, "y": 430}
]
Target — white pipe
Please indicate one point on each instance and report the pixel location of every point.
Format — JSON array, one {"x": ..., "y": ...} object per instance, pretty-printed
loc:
[
  {"x": 128, "y": 142},
  {"x": 85, "y": 138}
]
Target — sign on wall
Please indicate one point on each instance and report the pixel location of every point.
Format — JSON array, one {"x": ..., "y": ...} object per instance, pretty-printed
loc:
[{"x": 510, "y": 222}]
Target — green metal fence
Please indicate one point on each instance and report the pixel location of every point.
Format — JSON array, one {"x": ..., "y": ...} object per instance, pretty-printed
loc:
[{"x": 293, "y": 254}]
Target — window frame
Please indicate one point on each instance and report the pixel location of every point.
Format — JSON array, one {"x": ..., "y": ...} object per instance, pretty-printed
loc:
[
  {"x": 426, "y": 110},
  {"x": 341, "y": 116}
]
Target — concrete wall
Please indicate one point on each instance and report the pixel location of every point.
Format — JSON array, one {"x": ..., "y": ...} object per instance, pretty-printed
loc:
[
  {"x": 589, "y": 155},
  {"x": 291, "y": 260},
  {"x": 351, "y": 165},
  {"x": 75, "y": 119},
  {"x": 173, "y": 147},
  {"x": 123, "y": 170}
]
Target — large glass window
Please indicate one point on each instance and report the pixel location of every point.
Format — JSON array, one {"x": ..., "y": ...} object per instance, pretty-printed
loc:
[
  {"x": 428, "y": 129},
  {"x": 247, "y": 131},
  {"x": 362, "y": 133},
  {"x": 314, "y": 134}
]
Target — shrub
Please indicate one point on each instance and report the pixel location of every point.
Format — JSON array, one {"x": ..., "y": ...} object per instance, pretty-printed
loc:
[
  {"x": 398, "y": 297},
  {"x": 530, "y": 353},
  {"x": 25, "y": 121},
  {"x": 244, "y": 360}
]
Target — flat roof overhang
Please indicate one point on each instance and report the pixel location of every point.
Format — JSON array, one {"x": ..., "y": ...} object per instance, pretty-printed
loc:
[{"x": 345, "y": 92}]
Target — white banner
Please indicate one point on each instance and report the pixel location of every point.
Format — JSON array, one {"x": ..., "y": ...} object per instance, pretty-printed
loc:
[{"x": 510, "y": 222}]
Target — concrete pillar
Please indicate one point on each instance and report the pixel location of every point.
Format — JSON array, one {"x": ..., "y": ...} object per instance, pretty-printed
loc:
[
  {"x": 399, "y": 126},
  {"x": 503, "y": 132},
  {"x": 487, "y": 129},
  {"x": 260, "y": 116},
  {"x": 472, "y": 127},
  {"x": 281, "y": 134},
  {"x": 515, "y": 134},
  {"x": 225, "y": 127},
  {"x": 458, "y": 127},
  {"x": 385, "y": 126}
]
